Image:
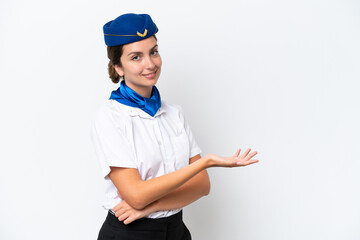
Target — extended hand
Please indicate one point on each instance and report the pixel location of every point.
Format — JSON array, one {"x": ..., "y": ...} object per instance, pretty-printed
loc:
[{"x": 235, "y": 161}]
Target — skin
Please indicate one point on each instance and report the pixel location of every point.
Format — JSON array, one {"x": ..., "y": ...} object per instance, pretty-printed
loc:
[
  {"x": 192, "y": 190},
  {"x": 141, "y": 67},
  {"x": 177, "y": 189}
]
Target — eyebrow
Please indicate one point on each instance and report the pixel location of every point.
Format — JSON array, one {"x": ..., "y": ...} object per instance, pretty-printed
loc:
[{"x": 138, "y": 53}]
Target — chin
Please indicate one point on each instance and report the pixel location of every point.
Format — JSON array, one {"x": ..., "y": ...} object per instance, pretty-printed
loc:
[{"x": 151, "y": 81}]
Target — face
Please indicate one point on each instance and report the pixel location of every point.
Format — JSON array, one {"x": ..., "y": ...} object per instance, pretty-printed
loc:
[{"x": 140, "y": 65}]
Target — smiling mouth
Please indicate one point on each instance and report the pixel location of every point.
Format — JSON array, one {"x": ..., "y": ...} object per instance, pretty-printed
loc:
[{"x": 150, "y": 75}]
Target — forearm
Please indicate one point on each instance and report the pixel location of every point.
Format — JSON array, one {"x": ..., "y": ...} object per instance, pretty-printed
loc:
[
  {"x": 160, "y": 187},
  {"x": 139, "y": 193},
  {"x": 188, "y": 184},
  {"x": 143, "y": 193},
  {"x": 189, "y": 192}
]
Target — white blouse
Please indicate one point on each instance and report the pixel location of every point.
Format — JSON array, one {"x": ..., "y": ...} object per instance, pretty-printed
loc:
[{"x": 125, "y": 136}]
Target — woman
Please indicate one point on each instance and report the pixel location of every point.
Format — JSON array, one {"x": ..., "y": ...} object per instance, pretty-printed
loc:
[{"x": 149, "y": 158}]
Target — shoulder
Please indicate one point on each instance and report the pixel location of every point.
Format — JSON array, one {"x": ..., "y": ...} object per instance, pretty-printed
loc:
[
  {"x": 171, "y": 107},
  {"x": 111, "y": 112},
  {"x": 173, "y": 110}
]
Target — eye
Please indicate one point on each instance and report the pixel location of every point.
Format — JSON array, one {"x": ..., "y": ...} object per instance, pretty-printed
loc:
[
  {"x": 155, "y": 52},
  {"x": 135, "y": 58}
]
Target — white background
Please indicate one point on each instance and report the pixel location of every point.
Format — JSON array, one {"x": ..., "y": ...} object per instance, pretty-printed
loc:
[{"x": 281, "y": 77}]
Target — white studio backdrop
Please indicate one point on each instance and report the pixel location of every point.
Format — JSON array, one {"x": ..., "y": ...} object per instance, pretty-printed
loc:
[{"x": 280, "y": 77}]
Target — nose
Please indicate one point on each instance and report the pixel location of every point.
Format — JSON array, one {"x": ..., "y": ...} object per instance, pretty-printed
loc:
[{"x": 149, "y": 63}]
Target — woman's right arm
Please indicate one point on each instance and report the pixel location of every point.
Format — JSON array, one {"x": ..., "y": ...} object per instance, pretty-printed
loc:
[{"x": 138, "y": 193}]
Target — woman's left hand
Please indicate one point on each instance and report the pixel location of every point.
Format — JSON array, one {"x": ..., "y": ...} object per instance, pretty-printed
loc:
[{"x": 124, "y": 212}]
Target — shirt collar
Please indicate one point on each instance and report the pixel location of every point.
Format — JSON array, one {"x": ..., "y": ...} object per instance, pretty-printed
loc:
[{"x": 134, "y": 111}]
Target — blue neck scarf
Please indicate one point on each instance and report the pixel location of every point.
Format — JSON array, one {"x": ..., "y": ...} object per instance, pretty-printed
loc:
[{"x": 129, "y": 97}]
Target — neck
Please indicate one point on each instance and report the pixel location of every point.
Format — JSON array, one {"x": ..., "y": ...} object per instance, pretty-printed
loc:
[{"x": 142, "y": 91}]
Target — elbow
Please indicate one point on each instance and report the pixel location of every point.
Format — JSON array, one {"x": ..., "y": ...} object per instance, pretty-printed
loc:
[
  {"x": 204, "y": 182},
  {"x": 137, "y": 201},
  {"x": 206, "y": 189},
  {"x": 138, "y": 205},
  {"x": 207, "y": 192}
]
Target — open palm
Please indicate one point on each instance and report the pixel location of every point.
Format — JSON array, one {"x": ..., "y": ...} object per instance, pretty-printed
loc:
[{"x": 236, "y": 160}]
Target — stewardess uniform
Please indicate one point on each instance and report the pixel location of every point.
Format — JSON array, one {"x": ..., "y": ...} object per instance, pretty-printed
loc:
[{"x": 148, "y": 134}]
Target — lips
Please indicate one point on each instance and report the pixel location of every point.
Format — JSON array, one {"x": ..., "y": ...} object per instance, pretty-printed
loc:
[{"x": 150, "y": 75}]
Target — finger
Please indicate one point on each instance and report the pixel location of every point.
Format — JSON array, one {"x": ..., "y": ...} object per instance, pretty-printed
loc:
[
  {"x": 250, "y": 156},
  {"x": 235, "y": 163},
  {"x": 128, "y": 220},
  {"x": 124, "y": 216},
  {"x": 120, "y": 212},
  {"x": 117, "y": 207},
  {"x": 239, "y": 164},
  {"x": 245, "y": 153},
  {"x": 237, "y": 153},
  {"x": 253, "y": 161},
  {"x": 249, "y": 162}
]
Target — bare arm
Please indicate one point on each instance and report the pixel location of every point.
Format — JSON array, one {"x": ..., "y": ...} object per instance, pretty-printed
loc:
[
  {"x": 189, "y": 192},
  {"x": 192, "y": 190},
  {"x": 139, "y": 194}
]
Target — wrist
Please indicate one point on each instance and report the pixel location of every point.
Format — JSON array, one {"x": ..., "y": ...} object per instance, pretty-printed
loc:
[
  {"x": 207, "y": 161},
  {"x": 153, "y": 207}
]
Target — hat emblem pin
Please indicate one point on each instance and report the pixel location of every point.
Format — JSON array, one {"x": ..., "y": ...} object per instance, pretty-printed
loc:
[{"x": 142, "y": 34}]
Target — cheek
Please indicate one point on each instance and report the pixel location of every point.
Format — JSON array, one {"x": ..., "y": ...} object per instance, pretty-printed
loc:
[
  {"x": 133, "y": 69},
  {"x": 158, "y": 62}
]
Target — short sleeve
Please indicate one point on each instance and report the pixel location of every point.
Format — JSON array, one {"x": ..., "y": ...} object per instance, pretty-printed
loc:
[
  {"x": 111, "y": 146},
  {"x": 194, "y": 147}
]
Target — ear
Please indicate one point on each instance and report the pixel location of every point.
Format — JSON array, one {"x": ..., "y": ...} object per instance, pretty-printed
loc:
[{"x": 119, "y": 70}]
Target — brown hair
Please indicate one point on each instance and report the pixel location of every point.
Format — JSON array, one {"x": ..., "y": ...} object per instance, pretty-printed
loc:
[{"x": 114, "y": 54}]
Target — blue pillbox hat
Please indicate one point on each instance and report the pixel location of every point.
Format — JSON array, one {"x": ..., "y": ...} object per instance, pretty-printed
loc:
[{"x": 128, "y": 28}]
